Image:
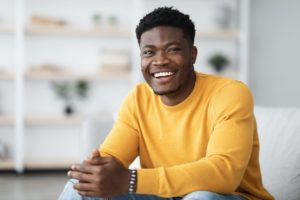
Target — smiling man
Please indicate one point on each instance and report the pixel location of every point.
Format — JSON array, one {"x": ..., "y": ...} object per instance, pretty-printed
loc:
[{"x": 195, "y": 134}]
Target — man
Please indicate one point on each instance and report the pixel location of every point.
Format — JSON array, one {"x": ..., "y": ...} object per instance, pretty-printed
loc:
[{"x": 195, "y": 134}]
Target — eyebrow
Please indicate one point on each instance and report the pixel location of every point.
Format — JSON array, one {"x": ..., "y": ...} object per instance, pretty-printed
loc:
[{"x": 167, "y": 44}]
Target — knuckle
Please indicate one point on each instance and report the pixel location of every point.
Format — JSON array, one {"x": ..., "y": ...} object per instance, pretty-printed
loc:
[
  {"x": 79, "y": 176},
  {"x": 75, "y": 167},
  {"x": 98, "y": 180},
  {"x": 98, "y": 170},
  {"x": 109, "y": 158}
]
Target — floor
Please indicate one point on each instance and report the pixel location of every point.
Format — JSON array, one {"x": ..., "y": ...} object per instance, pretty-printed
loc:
[{"x": 32, "y": 185}]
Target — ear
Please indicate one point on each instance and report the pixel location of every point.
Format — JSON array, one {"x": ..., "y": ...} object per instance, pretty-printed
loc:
[{"x": 194, "y": 54}]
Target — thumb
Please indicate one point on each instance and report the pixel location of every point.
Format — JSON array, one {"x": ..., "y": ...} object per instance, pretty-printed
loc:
[
  {"x": 95, "y": 153},
  {"x": 95, "y": 158}
]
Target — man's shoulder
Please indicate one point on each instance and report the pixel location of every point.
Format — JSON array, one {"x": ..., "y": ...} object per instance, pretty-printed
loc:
[
  {"x": 142, "y": 89},
  {"x": 214, "y": 83},
  {"x": 215, "y": 79},
  {"x": 141, "y": 92}
]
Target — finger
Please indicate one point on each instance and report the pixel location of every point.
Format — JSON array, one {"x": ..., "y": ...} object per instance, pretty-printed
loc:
[
  {"x": 89, "y": 168},
  {"x": 84, "y": 187},
  {"x": 94, "y": 153},
  {"x": 97, "y": 161},
  {"x": 82, "y": 177},
  {"x": 84, "y": 168},
  {"x": 87, "y": 193}
]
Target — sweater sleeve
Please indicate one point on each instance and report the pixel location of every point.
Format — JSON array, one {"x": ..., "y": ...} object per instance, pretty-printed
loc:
[
  {"x": 227, "y": 156},
  {"x": 122, "y": 140}
]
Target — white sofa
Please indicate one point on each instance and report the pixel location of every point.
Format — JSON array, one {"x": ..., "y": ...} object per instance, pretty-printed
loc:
[{"x": 279, "y": 134}]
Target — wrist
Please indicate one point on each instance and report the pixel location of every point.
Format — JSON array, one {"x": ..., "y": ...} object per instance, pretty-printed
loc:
[{"x": 133, "y": 181}]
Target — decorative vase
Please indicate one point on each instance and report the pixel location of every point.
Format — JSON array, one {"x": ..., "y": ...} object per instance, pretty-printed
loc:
[
  {"x": 3, "y": 150},
  {"x": 69, "y": 110},
  {"x": 224, "y": 17}
]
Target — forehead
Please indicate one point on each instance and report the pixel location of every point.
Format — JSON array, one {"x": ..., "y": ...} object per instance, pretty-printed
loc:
[{"x": 162, "y": 34}]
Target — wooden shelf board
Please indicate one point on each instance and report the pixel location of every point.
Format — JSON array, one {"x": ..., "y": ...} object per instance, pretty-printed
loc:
[
  {"x": 6, "y": 120},
  {"x": 218, "y": 35},
  {"x": 78, "y": 76},
  {"x": 60, "y": 120},
  {"x": 6, "y": 29},
  {"x": 6, "y": 75},
  {"x": 6, "y": 164},
  {"x": 65, "y": 164},
  {"x": 73, "y": 31}
]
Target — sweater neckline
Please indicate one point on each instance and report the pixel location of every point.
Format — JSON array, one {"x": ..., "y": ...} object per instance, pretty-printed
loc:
[{"x": 186, "y": 101}]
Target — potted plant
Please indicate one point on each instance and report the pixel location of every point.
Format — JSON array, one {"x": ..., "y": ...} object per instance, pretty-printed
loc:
[
  {"x": 81, "y": 88},
  {"x": 218, "y": 61},
  {"x": 113, "y": 20},
  {"x": 69, "y": 92},
  {"x": 97, "y": 19}
]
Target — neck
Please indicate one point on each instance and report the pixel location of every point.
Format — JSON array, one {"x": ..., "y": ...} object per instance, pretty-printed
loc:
[{"x": 174, "y": 99}]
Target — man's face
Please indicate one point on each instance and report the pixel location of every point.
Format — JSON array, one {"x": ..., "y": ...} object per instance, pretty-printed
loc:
[{"x": 167, "y": 59}]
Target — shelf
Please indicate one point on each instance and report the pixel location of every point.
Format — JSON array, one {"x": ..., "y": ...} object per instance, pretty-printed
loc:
[
  {"x": 6, "y": 120},
  {"x": 4, "y": 75},
  {"x": 77, "y": 76},
  {"x": 72, "y": 31},
  {"x": 230, "y": 35},
  {"x": 62, "y": 164},
  {"x": 7, "y": 29},
  {"x": 61, "y": 120},
  {"x": 6, "y": 164}
]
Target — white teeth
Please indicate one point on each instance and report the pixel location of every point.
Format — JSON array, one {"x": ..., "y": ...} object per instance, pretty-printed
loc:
[{"x": 163, "y": 74}]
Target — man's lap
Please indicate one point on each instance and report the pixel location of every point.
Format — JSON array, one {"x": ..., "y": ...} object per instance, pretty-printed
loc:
[{"x": 70, "y": 194}]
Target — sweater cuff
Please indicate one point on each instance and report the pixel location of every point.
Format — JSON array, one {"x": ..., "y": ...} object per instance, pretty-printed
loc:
[{"x": 147, "y": 181}]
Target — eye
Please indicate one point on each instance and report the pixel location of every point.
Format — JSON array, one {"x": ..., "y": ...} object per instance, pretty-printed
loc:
[
  {"x": 174, "y": 49},
  {"x": 147, "y": 53}
]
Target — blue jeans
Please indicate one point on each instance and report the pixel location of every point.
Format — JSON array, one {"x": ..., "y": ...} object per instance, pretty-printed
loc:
[{"x": 70, "y": 194}]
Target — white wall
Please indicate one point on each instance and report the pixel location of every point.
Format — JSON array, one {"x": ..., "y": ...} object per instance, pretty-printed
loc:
[{"x": 275, "y": 52}]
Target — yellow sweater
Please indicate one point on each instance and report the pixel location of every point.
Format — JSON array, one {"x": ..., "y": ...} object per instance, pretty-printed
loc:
[{"x": 207, "y": 142}]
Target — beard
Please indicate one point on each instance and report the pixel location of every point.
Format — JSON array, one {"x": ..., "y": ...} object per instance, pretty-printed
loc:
[{"x": 167, "y": 92}]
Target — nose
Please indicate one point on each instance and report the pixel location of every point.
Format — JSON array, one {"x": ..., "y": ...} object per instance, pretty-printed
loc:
[{"x": 160, "y": 59}]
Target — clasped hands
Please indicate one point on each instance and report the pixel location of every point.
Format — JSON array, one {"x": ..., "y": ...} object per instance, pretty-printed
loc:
[{"x": 100, "y": 176}]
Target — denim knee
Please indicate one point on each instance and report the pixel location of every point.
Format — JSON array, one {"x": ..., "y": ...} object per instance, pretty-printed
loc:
[
  {"x": 206, "y": 195},
  {"x": 201, "y": 195},
  {"x": 69, "y": 193}
]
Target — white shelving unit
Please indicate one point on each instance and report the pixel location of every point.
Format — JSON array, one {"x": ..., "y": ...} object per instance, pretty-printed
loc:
[
  {"x": 6, "y": 120},
  {"x": 218, "y": 35},
  {"x": 77, "y": 76},
  {"x": 6, "y": 29},
  {"x": 40, "y": 131},
  {"x": 76, "y": 120},
  {"x": 55, "y": 164},
  {"x": 7, "y": 164},
  {"x": 77, "y": 32},
  {"x": 5, "y": 75}
]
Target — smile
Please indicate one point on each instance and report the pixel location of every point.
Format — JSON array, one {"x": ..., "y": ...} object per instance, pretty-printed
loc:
[{"x": 163, "y": 74}]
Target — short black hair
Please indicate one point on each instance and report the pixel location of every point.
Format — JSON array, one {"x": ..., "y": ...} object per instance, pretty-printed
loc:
[{"x": 166, "y": 16}]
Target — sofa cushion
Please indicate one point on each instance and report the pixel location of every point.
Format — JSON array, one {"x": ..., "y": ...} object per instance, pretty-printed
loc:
[{"x": 279, "y": 134}]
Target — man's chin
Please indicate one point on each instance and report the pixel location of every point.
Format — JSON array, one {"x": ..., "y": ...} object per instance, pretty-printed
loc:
[{"x": 164, "y": 92}]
